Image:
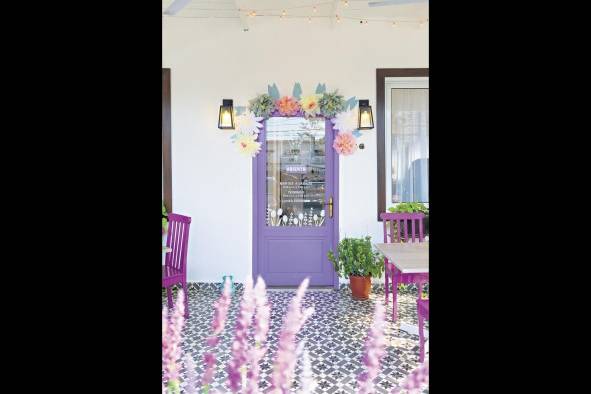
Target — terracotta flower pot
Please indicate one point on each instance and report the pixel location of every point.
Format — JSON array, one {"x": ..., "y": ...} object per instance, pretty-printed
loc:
[{"x": 360, "y": 286}]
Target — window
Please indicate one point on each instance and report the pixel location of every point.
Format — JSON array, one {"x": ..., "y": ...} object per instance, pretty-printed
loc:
[
  {"x": 407, "y": 140},
  {"x": 402, "y": 120}
]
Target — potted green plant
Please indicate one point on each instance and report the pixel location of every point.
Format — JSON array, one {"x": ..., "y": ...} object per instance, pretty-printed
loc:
[
  {"x": 357, "y": 260},
  {"x": 410, "y": 207},
  {"x": 164, "y": 219}
]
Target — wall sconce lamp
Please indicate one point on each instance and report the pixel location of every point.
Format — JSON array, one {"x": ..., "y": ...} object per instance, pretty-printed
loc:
[
  {"x": 226, "y": 118},
  {"x": 365, "y": 115}
]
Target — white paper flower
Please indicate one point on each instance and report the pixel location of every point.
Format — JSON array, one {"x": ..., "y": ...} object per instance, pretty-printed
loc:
[
  {"x": 345, "y": 121},
  {"x": 279, "y": 211},
  {"x": 248, "y": 123}
]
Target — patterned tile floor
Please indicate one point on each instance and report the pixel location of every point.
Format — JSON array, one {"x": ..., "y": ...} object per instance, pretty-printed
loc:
[{"x": 334, "y": 337}]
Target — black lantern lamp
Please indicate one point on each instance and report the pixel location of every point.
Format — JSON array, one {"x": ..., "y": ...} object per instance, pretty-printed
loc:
[
  {"x": 226, "y": 118},
  {"x": 365, "y": 115}
]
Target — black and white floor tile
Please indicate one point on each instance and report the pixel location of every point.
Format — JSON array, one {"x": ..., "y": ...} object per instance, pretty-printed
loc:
[{"x": 334, "y": 336}]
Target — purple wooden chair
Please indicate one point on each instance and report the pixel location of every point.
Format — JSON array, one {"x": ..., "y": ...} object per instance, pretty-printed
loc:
[
  {"x": 423, "y": 312},
  {"x": 409, "y": 229},
  {"x": 174, "y": 270}
]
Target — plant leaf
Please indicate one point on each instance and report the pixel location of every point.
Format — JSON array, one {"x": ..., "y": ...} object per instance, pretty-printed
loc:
[
  {"x": 351, "y": 103},
  {"x": 297, "y": 91},
  {"x": 321, "y": 88},
  {"x": 273, "y": 91}
]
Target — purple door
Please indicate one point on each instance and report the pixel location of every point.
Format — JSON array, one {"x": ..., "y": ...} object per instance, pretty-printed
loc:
[{"x": 295, "y": 202}]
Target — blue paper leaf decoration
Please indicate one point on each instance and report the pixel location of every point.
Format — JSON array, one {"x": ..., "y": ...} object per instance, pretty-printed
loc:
[
  {"x": 240, "y": 110},
  {"x": 351, "y": 103},
  {"x": 356, "y": 133},
  {"x": 297, "y": 91},
  {"x": 321, "y": 88},
  {"x": 234, "y": 137},
  {"x": 273, "y": 92}
]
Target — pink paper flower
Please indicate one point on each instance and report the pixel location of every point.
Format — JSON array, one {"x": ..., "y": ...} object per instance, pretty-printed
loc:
[
  {"x": 375, "y": 348},
  {"x": 287, "y": 106},
  {"x": 240, "y": 346},
  {"x": 171, "y": 338},
  {"x": 286, "y": 356},
  {"x": 261, "y": 329},
  {"x": 345, "y": 143},
  {"x": 220, "y": 316}
]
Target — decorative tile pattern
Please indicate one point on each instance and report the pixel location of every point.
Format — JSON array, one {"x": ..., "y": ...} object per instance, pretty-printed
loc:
[{"x": 334, "y": 336}]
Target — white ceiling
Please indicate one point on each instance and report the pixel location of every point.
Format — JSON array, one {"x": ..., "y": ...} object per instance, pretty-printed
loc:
[{"x": 302, "y": 9}]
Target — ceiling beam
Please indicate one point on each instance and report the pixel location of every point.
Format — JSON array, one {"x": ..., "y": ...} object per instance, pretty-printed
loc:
[{"x": 243, "y": 16}]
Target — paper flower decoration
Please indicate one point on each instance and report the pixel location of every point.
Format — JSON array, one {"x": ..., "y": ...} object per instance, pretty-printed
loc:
[
  {"x": 248, "y": 123},
  {"x": 345, "y": 144},
  {"x": 331, "y": 104},
  {"x": 345, "y": 121},
  {"x": 287, "y": 106},
  {"x": 310, "y": 105},
  {"x": 262, "y": 105},
  {"x": 247, "y": 144}
]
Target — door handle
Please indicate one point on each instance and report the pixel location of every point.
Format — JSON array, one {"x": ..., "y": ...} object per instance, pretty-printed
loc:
[{"x": 329, "y": 203}]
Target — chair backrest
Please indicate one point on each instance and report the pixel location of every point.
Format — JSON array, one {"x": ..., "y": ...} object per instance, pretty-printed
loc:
[
  {"x": 178, "y": 240},
  {"x": 409, "y": 227}
]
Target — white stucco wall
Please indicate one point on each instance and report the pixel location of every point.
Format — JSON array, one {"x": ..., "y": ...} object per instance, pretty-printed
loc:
[{"x": 212, "y": 60}]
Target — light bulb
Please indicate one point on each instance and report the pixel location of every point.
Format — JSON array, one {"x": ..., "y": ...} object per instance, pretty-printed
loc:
[
  {"x": 314, "y": 9},
  {"x": 346, "y": 3},
  {"x": 309, "y": 20},
  {"x": 283, "y": 13}
]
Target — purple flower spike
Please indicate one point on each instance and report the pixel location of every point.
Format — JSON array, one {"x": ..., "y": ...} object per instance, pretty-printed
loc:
[
  {"x": 415, "y": 380},
  {"x": 172, "y": 328},
  {"x": 192, "y": 383},
  {"x": 261, "y": 329},
  {"x": 220, "y": 316},
  {"x": 375, "y": 348},
  {"x": 286, "y": 357},
  {"x": 240, "y": 346}
]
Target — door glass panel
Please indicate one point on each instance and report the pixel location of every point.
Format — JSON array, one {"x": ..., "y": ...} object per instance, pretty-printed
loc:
[{"x": 295, "y": 172}]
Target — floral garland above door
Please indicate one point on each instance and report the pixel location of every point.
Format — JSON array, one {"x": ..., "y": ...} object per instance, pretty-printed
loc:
[{"x": 331, "y": 106}]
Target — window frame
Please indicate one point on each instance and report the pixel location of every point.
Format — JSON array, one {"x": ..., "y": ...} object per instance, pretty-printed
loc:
[
  {"x": 381, "y": 75},
  {"x": 396, "y": 83}
]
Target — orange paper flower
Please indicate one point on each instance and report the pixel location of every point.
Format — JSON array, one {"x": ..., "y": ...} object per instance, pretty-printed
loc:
[{"x": 287, "y": 106}]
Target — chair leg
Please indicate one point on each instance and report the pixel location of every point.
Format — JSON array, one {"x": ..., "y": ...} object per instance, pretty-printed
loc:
[
  {"x": 169, "y": 296},
  {"x": 421, "y": 336},
  {"x": 386, "y": 290},
  {"x": 394, "y": 294},
  {"x": 186, "y": 291}
]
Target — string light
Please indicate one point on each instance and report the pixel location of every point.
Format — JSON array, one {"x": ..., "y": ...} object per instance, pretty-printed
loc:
[
  {"x": 314, "y": 9},
  {"x": 283, "y": 13},
  {"x": 394, "y": 23},
  {"x": 346, "y": 3},
  {"x": 309, "y": 20},
  {"x": 338, "y": 19}
]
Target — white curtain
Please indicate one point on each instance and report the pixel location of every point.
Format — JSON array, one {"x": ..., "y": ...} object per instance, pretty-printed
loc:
[{"x": 410, "y": 145}]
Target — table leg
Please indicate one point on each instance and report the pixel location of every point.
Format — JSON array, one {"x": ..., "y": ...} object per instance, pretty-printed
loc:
[
  {"x": 394, "y": 294},
  {"x": 386, "y": 290}
]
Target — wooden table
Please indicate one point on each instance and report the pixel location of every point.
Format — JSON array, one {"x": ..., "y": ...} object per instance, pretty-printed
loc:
[
  {"x": 411, "y": 265},
  {"x": 409, "y": 258}
]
